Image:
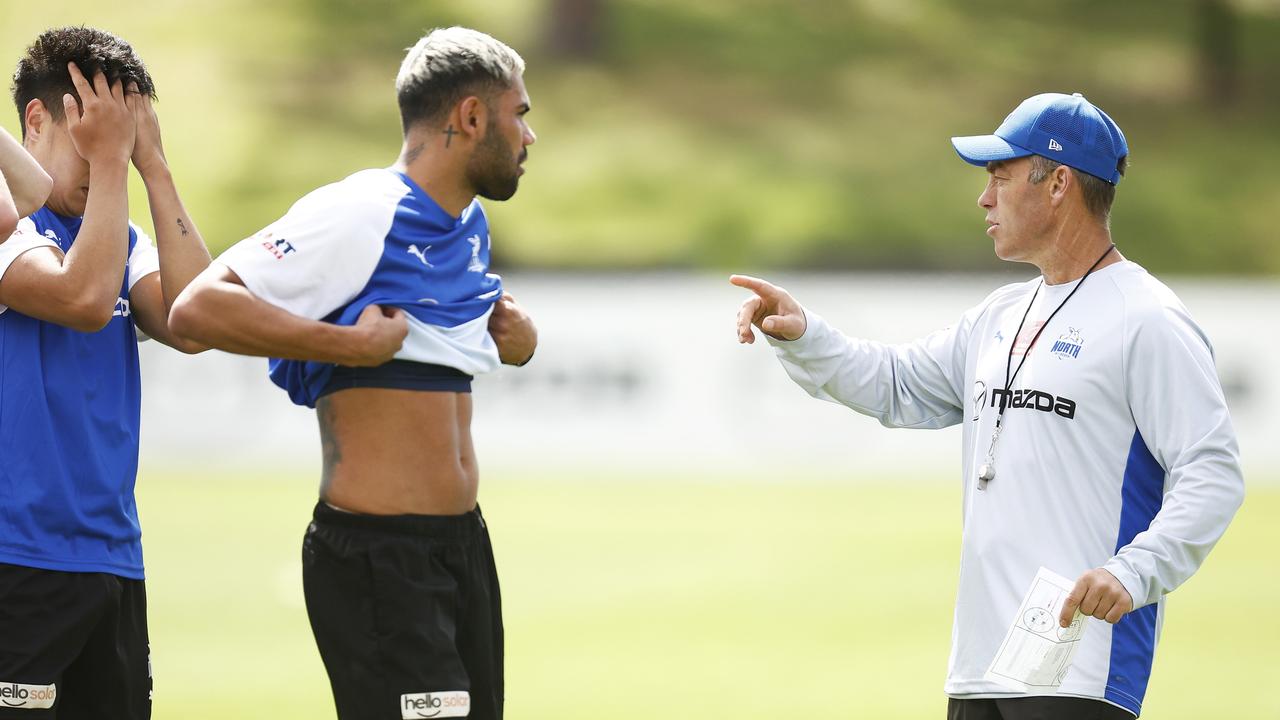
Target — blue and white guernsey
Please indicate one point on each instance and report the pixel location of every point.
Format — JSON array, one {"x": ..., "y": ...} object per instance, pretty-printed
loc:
[
  {"x": 375, "y": 237},
  {"x": 69, "y": 411},
  {"x": 1117, "y": 451}
]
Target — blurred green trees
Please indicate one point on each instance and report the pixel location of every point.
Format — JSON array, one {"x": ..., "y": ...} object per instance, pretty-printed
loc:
[{"x": 733, "y": 133}]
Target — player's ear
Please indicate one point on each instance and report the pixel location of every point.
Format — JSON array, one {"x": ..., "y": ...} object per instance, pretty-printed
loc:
[
  {"x": 36, "y": 119},
  {"x": 473, "y": 116}
]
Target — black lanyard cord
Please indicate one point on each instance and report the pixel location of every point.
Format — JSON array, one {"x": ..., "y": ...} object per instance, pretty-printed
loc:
[
  {"x": 987, "y": 472},
  {"x": 1008, "y": 379}
]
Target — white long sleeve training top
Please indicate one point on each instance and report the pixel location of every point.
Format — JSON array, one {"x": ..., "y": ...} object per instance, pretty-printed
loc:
[{"x": 1116, "y": 451}]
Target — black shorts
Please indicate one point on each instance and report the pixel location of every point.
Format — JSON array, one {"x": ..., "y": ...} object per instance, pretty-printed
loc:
[
  {"x": 406, "y": 614},
  {"x": 1035, "y": 708},
  {"x": 73, "y": 645}
]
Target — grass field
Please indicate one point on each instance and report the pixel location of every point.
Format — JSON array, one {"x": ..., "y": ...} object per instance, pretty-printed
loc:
[{"x": 643, "y": 599}]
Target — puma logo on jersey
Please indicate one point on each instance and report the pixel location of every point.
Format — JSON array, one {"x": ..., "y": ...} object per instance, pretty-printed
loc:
[{"x": 420, "y": 254}]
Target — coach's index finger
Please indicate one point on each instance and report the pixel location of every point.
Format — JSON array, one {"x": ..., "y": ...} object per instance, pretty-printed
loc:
[
  {"x": 1074, "y": 598},
  {"x": 763, "y": 288}
]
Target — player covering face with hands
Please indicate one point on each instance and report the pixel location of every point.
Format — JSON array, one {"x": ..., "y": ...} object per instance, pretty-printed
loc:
[
  {"x": 1097, "y": 442},
  {"x": 78, "y": 284}
]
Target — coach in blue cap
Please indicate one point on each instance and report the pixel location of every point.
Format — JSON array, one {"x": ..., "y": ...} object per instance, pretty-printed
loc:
[{"x": 1099, "y": 461}]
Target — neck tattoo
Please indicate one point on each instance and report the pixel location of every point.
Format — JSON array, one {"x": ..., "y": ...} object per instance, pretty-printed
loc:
[{"x": 987, "y": 472}]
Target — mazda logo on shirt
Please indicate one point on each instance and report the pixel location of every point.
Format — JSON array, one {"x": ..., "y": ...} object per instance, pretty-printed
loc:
[
  {"x": 979, "y": 399},
  {"x": 1033, "y": 400}
]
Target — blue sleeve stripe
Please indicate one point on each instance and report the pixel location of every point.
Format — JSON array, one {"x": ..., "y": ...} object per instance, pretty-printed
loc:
[{"x": 1133, "y": 639}]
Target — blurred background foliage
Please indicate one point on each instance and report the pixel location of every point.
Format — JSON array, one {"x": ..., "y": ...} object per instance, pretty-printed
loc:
[{"x": 731, "y": 134}]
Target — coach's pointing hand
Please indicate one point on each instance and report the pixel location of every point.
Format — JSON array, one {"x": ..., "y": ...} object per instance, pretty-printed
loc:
[
  {"x": 771, "y": 309},
  {"x": 381, "y": 332},
  {"x": 1098, "y": 594}
]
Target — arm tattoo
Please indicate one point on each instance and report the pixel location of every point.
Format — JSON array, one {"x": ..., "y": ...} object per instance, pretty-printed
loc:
[
  {"x": 183, "y": 227},
  {"x": 448, "y": 135},
  {"x": 329, "y": 447}
]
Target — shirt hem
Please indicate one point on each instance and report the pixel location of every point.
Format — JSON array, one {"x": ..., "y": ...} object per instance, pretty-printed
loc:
[
  {"x": 130, "y": 572},
  {"x": 980, "y": 695}
]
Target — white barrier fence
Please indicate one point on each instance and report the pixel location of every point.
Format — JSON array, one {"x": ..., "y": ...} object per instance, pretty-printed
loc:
[{"x": 642, "y": 374}]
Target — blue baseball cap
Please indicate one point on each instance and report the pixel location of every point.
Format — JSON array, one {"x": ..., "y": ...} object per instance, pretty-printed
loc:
[{"x": 1064, "y": 128}]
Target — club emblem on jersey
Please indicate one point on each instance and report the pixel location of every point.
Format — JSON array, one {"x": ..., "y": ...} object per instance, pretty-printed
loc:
[
  {"x": 979, "y": 399},
  {"x": 420, "y": 254},
  {"x": 1068, "y": 344},
  {"x": 475, "y": 265}
]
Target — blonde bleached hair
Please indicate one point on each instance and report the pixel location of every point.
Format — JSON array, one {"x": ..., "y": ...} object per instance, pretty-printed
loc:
[{"x": 449, "y": 64}]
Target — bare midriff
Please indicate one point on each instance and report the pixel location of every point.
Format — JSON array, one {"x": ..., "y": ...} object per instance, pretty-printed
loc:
[{"x": 397, "y": 452}]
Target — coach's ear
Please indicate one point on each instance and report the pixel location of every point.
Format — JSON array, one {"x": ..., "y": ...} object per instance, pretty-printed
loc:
[
  {"x": 1060, "y": 183},
  {"x": 473, "y": 116}
]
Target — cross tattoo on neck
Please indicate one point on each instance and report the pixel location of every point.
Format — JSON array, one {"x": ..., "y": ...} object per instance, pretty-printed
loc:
[{"x": 448, "y": 135}]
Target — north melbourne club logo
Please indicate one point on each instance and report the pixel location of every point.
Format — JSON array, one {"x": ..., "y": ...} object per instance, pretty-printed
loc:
[
  {"x": 1068, "y": 344},
  {"x": 475, "y": 265}
]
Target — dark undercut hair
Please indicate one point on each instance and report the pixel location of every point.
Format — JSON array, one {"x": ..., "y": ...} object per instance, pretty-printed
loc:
[
  {"x": 449, "y": 64},
  {"x": 1098, "y": 193},
  {"x": 42, "y": 72}
]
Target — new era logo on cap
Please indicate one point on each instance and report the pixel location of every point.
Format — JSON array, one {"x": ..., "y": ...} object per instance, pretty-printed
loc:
[{"x": 1053, "y": 145}]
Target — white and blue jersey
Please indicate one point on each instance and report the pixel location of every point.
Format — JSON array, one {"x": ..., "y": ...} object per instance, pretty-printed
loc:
[
  {"x": 69, "y": 410},
  {"x": 1116, "y": 451},
  {"x": 375, "y": 237}
]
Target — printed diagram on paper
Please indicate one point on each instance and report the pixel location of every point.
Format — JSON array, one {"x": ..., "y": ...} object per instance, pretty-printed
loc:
[{"x": 1036, "y": 652}]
